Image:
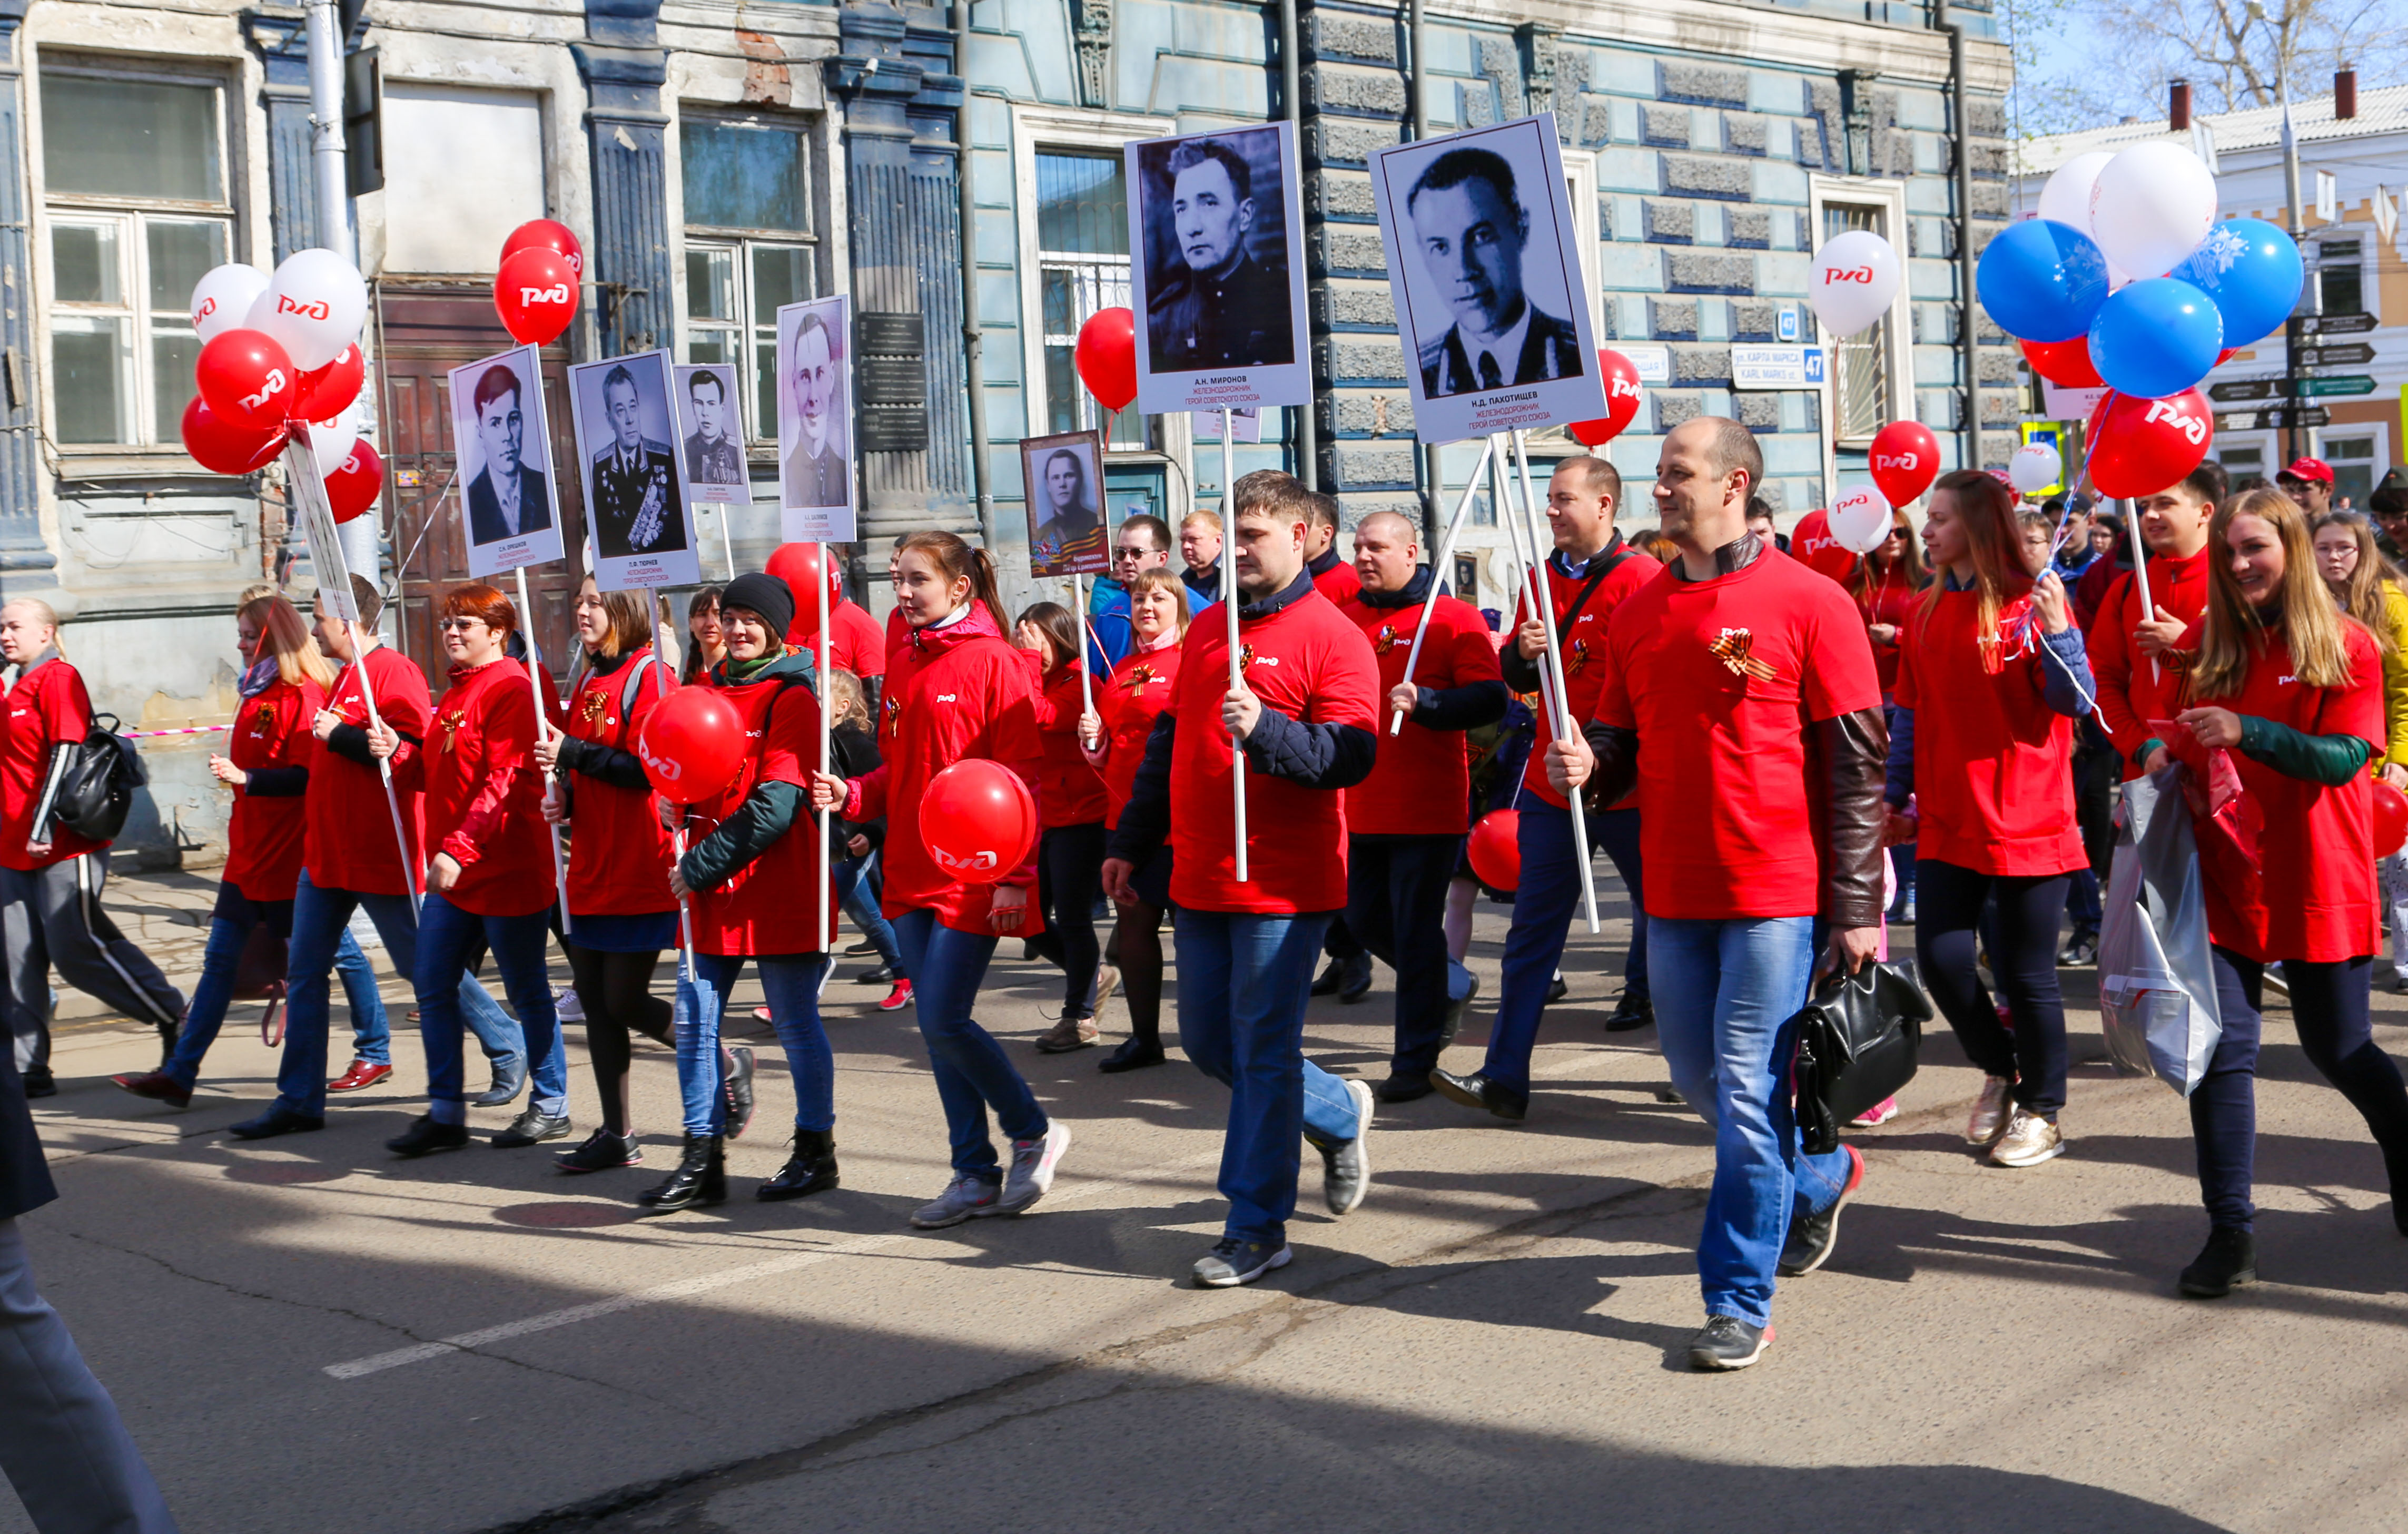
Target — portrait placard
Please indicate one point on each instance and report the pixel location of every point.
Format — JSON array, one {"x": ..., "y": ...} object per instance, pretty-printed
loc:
[
  {"x": 1217, "y": 270},
  {"x": 1484, "y": 263},
  {"x": 1064, "y": 481},
  {"x": 710, "y": 435},
  {"x": 636, "y": 500},
  {"x": 815, "y": 422},
  {"x": 505, "y": 463}
]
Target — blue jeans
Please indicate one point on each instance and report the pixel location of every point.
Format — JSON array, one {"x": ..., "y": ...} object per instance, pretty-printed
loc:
[
  {"x": 792, "y": 984},
  {"x": 856, "y": 891},
  {"x": 1243, "y": 984},
  {"x": 972, "y": 1072},
  {"x": 1396, "y": 904},
  {"x": 321, "y": 923},
  {"x": 1544, "y": 906},
  {"x": 1724, "y": 994},
  {"x": 447, "y": 935},
  {"x": 215, "y": 992}
]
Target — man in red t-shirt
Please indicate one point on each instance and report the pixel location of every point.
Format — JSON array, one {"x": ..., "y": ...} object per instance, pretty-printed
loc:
[
  {"x": 2123, "y": 640},
  {"x": 1741, "y": 700},
  {"x": 1305, "y": 708},
  {"x": 1405, "y": 824}
]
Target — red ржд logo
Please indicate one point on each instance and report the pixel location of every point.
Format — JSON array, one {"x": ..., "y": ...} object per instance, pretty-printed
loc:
[{"x": 314, "y": 308}]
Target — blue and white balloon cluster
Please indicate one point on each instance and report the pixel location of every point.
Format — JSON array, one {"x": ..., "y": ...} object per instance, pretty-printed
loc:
[{"x": 2127, "y": 254}]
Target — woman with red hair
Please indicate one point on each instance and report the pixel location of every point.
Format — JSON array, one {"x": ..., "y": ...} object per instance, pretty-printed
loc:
[{"x": 491, "y": 881}]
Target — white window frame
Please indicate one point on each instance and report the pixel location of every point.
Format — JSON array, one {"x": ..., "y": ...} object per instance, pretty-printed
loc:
[
  {"x": 759, "y": 434},
  {"x": 2379, "y": 430},
  {"x": 1580, "y": 180},
  {"x": 2369, "y": 283},
  {"x": 1890, "y": 198}
]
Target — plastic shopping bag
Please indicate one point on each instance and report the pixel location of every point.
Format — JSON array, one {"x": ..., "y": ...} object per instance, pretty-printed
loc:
[{"x": 2157, "y": 984}]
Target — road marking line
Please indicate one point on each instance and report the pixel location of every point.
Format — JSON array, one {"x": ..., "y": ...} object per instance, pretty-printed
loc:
[{"x": 704, "y": 1282}]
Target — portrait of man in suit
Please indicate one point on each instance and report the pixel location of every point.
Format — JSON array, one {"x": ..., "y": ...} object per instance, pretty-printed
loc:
[
  {"x": 1213, "y": 304},
  {"x": 711, "y": 455},
  {"x": 507, "y": 499},
  {"x": 1468, "y": 224},
  {"x": 636, "y": 498},
  {"x": 816, "y": 472}
]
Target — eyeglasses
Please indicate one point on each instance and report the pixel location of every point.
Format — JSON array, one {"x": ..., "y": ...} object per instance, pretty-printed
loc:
[
  {"x": 1126, "y": 556},
  {"x": 460, "y": 626}
]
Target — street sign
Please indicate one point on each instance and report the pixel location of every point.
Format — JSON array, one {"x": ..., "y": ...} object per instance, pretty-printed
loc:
[
  {"x": 2347, "y": 354},
  {"x": 2330, "y": 324},
  {"x": 1654, "y": 364},
  {"x": 2348, "y": 384},
  {"x": 2267, "y": 421},
  {"x": 2240, "y": 389},
  {"x": 1776, "y": 367}
]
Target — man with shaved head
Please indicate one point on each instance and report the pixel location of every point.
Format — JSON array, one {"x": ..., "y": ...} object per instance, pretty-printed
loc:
[
  {"x": 1405, "y": 824},
  {"x": 1741, "y": 702}
]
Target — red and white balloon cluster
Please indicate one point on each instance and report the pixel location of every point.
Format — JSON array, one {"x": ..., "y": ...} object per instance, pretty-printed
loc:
[{"x": 536, "y": 290}]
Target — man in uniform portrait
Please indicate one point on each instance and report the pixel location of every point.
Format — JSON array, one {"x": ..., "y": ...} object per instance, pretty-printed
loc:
[
  {"x": 636, "y": 508},
  {"x": 507, "y": 499},
  {"x": 815, "y": 466},
  {"x": 1219, "y": 306},
  {"x": 1470, "y": 228},
  {"x": 712, "y": 456}
]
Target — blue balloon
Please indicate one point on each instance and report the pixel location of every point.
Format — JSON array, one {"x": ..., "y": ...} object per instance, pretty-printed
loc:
[
  {"x": 2042, "y": 281},
  {"x": 2251, "y": 271},
  {"x": 2155, "y": 338}
]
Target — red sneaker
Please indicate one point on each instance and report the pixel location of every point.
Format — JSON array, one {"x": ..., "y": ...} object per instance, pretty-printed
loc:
[
  {"x": 157, "y": 1085},
  {"x": 364, "y": 1073},
  {"x": 897, "y": 998}
]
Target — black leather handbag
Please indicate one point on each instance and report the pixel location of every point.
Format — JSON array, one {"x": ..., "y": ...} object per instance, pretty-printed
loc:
[{"x": 1857, "y": 1044}]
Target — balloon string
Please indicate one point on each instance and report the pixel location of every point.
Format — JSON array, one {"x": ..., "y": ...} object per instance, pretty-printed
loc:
[{"x": 2089, "y": 446}]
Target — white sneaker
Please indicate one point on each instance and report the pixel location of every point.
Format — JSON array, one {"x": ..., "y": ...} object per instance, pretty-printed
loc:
[
  {"x": 2029, "y": 1140},
  {"x": 1032, "y": 1170},
  {"x": 1991, "y": 1111},
  {"x": 564, "y": 1004},
  {"x": 1346, "y": 1169},
  {"x": 2275, "y": 982}
]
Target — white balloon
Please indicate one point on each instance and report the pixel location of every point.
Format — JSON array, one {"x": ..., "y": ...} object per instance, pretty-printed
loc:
[
  {"x": 330, "y": 441},
  {"x": 2151, "y": 205},
  {"x": 1860, "y": 519},
  {"x": 319, "y": 305},
  {"x": 1854, "y": 280},
  {"x": 2066, "y": 196},
  {"x": 2034, "y": 467},
  {"x": 222, "y": 298}
]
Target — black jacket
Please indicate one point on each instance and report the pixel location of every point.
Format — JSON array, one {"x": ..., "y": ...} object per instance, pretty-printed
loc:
[{"x": 25, "y": 1177}]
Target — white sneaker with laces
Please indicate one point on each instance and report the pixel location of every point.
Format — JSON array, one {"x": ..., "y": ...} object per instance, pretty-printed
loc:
[
  {"x": 2029, "y": 1140},
  {"x": 1032, "y": 1170},
  {"x": 566, "y": 1005},
  {"x": 1991, "y": 1111}
]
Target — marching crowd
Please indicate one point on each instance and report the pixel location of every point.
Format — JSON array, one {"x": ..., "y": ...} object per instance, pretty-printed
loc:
[{"x": 1777, "y": 763}]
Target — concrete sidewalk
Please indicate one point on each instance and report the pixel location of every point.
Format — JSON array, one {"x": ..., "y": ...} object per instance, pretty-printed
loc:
[{"x": 307, "y": 1336}]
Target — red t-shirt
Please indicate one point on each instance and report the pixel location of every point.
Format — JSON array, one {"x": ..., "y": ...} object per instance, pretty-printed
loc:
[
  {"x": 855, "y": 642},
  {"x": 268, "y": 835},
  {"x": 619, "y": 857},
  {"x": 766, "y": 905},
  {"x": 1309, "y": 663},
  {"x": 1421, "y": 784},
  {"x": 1070, "y": 792},
  {"x": 353, "y": 845},
  {"x": 1993, "y": 762},
  {"x": 1136, "y": 696},
  {"x": 484, "y": 792},
  {"x": 2313, "y": 897},
  {"x": 2131, "y": 692},
  {"x": 48, "y": 707},
  {"x": 1339, "y": 582},
  {"x": 952, "y": 693},
  {"x": 1583, "y": 645},
  {"x": 1888, "y": 599},
  {"x": 1727, "y": 781}
]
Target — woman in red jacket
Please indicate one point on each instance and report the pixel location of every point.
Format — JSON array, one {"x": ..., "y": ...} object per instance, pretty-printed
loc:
[
  {"x": 2291, "y": 691},
  {"x": 1991, "y": 676},
  {"x": 1113, "y": 738},
  {"x": 491, "y": 880},
  {"x": 620, "y": 913},
  {"x": 955, "y": 690},
  {"x": 1070, "y": 806}
]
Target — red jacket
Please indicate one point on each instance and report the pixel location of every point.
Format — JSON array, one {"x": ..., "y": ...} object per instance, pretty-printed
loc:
[
  {"x": 1421, "y": 783},
  {"x": 484, "y": 792},
  {"x": 353, "y": 845},
  {"x": 1072, "y": 791},
  {"x": 268, "y": 835},
  {"x": 1136, "y": 696},
  {"x": 766, "y": 905},
  {"x": 1335, "y": 579},
  {"x": 2132, "y": 691},
  {"x": 855, "y": 642},
  {"x": 1887, "y": 599},
  {"x": 617, "y": 854},
  {"x": 952, "y": 693},
  {"x": 48, "y": 707}
]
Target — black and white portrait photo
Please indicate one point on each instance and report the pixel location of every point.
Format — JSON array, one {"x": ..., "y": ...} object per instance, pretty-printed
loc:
[
  {"x": 1067, "y": 535},
  {"x": 814, "y": 423},
  {"x": 634, "y": 492},
  {"x": 1216, "y": 229},
  {"x": 711, "y": 432},
  {"x": 1484, "y": 263},
  {"x": 503, "y": 461}
]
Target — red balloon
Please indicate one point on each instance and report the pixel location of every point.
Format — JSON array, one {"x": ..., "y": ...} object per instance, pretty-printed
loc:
[
  {"x": 545, "y": 235},
  {"x": 1495, "y": 850},
  {"x": 1905, "y": 460},
  {"x": 224, "y": 448},
  {"x": 325, "y": 391},
  {"x": 799, "y": 566},
  {"x": 691, "y": 745},
  {"x": 356, "y": 482},
  {"x": 536, "y": 293},
  {"x": 247, "y": 380},
  {"x": 2139, "y": 447},
  {"x": 1107, "y": 357},
  {"x": 978, "y": 820},
  {"x": 1623, "y": 396},
  {"x": 1811, "y": 543},
  {"x": 2066, "y": 364},
  {"x": 2390, "y": 819}
]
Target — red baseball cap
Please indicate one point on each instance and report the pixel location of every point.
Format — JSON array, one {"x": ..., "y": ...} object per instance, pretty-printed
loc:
[{"x": 2314, "y": 469}]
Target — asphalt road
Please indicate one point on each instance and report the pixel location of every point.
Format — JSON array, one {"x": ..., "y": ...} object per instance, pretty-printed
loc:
[{"x": 307, "y": 1336}]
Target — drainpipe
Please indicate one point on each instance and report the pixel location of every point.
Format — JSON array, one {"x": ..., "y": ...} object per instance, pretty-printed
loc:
[
  {"x": 1969, "y": 451},
  {"x": 1308, "y": 434},
  {"x": 974, "y": 336},
  {"x": 1433, "y": 520}
]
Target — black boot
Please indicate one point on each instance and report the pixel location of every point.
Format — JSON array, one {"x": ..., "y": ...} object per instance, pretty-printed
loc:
[
  {"x": 700, "y": 1178},
  {"x": 811, "y": 1169},
  {"x": 168, "y": 1034},
  {"x": 2228, "y": 1261}
]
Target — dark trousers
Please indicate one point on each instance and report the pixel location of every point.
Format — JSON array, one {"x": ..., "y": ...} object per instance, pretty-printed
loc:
[
  {"x": 2024, "y": 958},
  {"x": 2328, "y": 1007},
  {"x": 1069, "y": 877},
  {"x": 1543, "y": 908},
  {"x": 1396, "y": 905},
  {"x": 2096, "y": 767}
]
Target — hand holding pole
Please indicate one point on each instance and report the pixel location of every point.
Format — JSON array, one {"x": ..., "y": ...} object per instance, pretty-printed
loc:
[{"x": 1566, "y": 728}]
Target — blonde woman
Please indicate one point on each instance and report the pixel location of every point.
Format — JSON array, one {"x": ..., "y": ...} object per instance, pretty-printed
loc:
[{"x": 2367, "y": 588}]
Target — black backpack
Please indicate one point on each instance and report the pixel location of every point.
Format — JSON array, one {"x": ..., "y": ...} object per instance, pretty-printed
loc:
[{"x": 96, "y": 789}]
